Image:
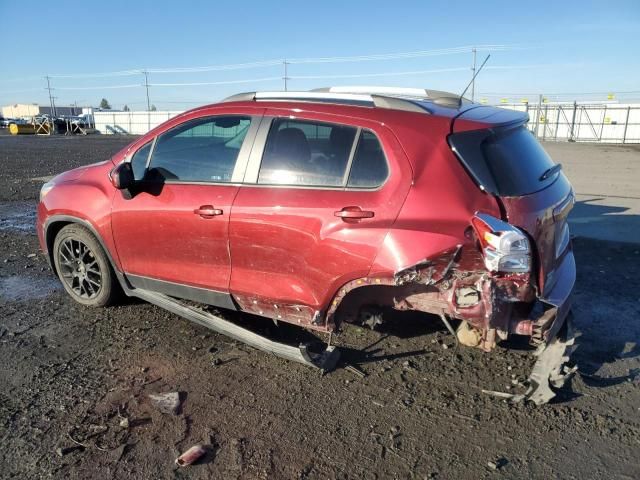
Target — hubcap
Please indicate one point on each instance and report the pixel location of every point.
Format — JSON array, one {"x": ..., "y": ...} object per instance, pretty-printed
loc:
[{"x": 79, "y": 268}]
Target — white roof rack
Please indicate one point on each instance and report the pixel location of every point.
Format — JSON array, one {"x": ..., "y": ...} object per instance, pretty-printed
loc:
[
  {"x": 312, "y": 96},
  {"x": 372, "y": 90},
  {"x": 406, "y": 99}
]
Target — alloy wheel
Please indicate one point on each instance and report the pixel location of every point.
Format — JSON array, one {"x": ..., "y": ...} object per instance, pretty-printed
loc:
[{"x": 79, "y": 268}]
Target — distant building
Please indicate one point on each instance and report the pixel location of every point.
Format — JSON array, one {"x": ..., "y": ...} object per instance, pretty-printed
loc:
[{"x": 21, "y": 110}]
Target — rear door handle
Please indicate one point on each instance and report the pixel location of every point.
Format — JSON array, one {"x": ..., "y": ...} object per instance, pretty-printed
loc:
[
  {"x": 353, "y": 213},
  {"x": 207, "y": 211}
]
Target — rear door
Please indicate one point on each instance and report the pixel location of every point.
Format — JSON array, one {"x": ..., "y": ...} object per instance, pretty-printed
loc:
[
  {"x": 316, "y": 204},
  {"x": 510, "y": 163},
  {"x": 172, "y": 233}
]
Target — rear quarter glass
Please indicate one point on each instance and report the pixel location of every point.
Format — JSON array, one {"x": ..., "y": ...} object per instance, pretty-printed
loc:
[{"x": 507, "y": 162}]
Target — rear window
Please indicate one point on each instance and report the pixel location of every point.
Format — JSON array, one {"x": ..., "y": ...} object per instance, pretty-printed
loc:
[{"x": 506, "y": 162}]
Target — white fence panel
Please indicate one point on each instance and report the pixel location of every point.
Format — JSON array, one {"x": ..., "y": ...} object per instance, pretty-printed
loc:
[
  {"x": 130, "y": 123},
  {"x": 610, "y": 123}
]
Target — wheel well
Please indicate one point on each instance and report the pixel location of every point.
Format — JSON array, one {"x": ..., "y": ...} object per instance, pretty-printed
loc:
[
  {"x": 369, "y": 293},
  {"x": 52, "y": 232}
]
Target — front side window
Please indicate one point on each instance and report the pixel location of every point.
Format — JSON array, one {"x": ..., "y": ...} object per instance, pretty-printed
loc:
[
  {"x": 201, "y": 150},
  {"x": 139, "y": 161},
  {"x": 306, "y": 153}
]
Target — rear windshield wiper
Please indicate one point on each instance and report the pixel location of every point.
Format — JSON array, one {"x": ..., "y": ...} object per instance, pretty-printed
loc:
[{"x": 550, "y": 171}]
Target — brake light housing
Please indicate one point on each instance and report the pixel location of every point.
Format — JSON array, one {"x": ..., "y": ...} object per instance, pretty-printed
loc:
[{"x": 505, "y": 248}]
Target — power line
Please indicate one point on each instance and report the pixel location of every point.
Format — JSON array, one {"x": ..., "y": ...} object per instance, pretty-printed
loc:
[
  {"x": 309, "y": 60},
  {"x": 378, "y": 74},
  {"x": 401, "y": 55},
  {"x": 103, "y": 87},
  {"x": 121, "y": 73},
  {"x": 211, "y": 68},
  {"x": 226, "y": 82}
]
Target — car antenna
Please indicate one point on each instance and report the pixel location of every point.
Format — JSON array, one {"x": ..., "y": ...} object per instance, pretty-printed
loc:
[{"x": 472, "y": 79}]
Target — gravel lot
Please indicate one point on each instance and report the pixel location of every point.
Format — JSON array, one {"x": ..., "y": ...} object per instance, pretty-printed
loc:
[{"x": 73, "y": 376}]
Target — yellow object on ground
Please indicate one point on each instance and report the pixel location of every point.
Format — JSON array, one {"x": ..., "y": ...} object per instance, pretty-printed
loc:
[{"x": 15, "y": 129}]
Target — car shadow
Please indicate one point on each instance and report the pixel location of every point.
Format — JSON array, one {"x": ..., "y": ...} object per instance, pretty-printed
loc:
[
  {"x": 591, "y": 218},
  {"x": 605, "y": 307}
]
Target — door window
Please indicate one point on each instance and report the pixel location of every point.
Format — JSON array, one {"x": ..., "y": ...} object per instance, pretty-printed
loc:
[
  {"x": 306, "y": 153},
  {"x": 201, "y": 150}
]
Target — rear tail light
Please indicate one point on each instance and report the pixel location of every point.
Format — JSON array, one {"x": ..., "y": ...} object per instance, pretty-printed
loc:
[{"x": 505, "y": 248}]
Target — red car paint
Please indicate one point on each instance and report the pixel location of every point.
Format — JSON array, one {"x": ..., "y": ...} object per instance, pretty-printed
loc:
[{"x": 286, "y": 253}]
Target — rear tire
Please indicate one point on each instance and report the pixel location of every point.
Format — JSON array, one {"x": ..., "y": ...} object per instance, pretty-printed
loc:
[{"x": 84, "y": 268}]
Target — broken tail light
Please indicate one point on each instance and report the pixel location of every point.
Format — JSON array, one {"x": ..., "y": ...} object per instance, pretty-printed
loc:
[{"x": 505, "y": 248}]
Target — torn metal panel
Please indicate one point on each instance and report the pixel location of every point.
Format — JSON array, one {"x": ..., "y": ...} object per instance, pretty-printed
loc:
[
  {"x": 455, "y": 282},
  {"x": 297, "y": 314}
]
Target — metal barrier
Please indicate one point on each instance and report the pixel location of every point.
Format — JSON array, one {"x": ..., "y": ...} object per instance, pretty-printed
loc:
[{"x": 575, "y": 122}]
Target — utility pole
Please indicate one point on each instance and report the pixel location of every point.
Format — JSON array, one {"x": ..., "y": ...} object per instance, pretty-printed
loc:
[
  {"x": 285, "y": 78},
  {"x": 52, "y": 105},
  {"x": 473, "y": 76},
  {"x": 146, "y": 84}
]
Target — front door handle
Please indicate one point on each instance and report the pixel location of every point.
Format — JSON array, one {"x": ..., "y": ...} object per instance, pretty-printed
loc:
[
  {"x": 353, "y": 213},
  {"x": 207, "y": 211}
]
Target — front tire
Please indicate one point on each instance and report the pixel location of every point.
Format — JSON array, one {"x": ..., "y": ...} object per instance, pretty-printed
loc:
[{"x": 83, "y": 267}]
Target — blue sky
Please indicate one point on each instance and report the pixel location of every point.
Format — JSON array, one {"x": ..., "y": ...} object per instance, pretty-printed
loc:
[{"x": 581, "y": 48}]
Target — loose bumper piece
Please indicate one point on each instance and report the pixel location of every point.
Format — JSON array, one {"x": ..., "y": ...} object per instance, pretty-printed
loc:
[{"x": 550, "y": 369}]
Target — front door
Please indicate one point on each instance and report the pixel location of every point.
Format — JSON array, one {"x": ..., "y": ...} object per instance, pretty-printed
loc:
[
  {"x": 322, "y": 200},
  {"x": 171, "y": 235}
]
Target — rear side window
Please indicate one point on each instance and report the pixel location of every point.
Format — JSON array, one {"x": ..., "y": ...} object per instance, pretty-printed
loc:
[
  {"x": 369, "y": 168},
  {"x": 507, "y": 162},
  {"x": 306, "y": 153},
  {"x": 202, "y": 150}
]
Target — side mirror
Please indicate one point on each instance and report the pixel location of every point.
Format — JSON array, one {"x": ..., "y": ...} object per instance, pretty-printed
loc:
[{"x": 122, "y": 176}]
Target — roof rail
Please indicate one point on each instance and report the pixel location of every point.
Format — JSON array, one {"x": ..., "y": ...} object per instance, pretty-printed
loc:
[
  {"x": 364, "y": 100},
  {"x": 445, "y": 99}
]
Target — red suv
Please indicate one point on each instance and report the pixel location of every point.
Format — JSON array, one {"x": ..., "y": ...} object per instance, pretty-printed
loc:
[{"x": 320, "y": 207}]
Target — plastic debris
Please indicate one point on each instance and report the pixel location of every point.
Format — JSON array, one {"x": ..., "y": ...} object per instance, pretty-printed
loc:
[
  {"x": 166, "y": 402},
  {"x": 190, "y": 456}
]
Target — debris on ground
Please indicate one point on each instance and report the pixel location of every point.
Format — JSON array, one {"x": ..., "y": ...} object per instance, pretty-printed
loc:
[
  {"x": 168, "y": 403},
  {"x": 62, "y": 451},
  {"x": 498, "y": 463},
  {"x": 355, "y": 370},
  {"x": 190, "y": 456}
]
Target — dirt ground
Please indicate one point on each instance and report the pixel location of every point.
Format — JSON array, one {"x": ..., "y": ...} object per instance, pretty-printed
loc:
[{"x": 71, "y": 375}]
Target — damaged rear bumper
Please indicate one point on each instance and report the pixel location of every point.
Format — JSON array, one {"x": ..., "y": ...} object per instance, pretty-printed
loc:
[
  {"x": 556, "y": 337},
  {"x": 560, "y": 297}
]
